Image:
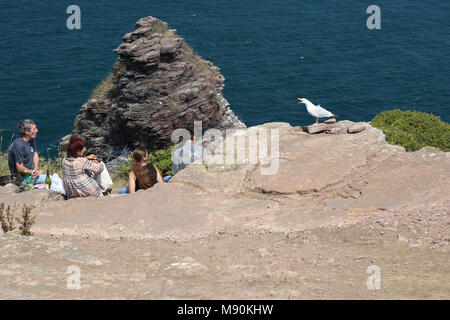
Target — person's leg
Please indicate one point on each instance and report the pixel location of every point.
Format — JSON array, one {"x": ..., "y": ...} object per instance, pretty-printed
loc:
[
  {"x": 124, "y": 190},
  {"x": 167, "y": 178}
]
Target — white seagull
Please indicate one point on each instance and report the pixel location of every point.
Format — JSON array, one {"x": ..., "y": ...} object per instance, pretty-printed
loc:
[{"x": 316, "y": 111}]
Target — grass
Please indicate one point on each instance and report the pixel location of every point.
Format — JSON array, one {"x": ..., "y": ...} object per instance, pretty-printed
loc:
[
  {"x": 106, "y": 89},
  {"x": 4, "y": 168},
  {"x": 413, "y": 130}
]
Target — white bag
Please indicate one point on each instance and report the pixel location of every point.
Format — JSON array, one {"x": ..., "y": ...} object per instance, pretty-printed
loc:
[
  {"x": 104, "y": 179},
  {"x": 57, "y": 184}
]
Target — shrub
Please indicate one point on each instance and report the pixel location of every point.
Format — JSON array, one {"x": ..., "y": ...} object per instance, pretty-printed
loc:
[
  {"x": 161, "y": 159},
  {"x": 26, "y": 221},
  {"x": 7, "y": 222},
  {"x": 413, "y": 130}
]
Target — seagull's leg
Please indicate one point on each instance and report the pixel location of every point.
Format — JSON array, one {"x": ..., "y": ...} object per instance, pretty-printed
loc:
[{"x": 317, "y": 121}]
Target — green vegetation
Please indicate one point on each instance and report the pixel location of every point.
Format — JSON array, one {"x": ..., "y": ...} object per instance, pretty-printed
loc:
[
  {"x": 106, "y": 89},
  {"x": 53, "y": 165},
  {"x": 161, "y": 159},
  {"x": 413, "y": 130},
  {"x": 4, "y": 168}
]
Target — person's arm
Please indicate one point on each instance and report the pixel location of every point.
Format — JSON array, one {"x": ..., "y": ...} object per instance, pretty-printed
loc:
[
  {"x": 36, "y": 160},
  {"x": 131, "y": 182},
  {"x": 21, "y": 168},
  {"x": 92, "y": 157},
  {"x": 158, "y": 176},
  {"x": 92, "y": 167},
  {"x": 36, "y": 172}
]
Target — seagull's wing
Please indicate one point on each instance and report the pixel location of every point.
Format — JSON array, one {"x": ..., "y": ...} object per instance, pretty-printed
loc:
[{"x": 321, "y": 112}]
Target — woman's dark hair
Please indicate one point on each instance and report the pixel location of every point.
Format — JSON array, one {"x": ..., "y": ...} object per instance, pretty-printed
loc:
[
  {"x": 144, "y": 177},
  {"x": 75, "y": 145}
]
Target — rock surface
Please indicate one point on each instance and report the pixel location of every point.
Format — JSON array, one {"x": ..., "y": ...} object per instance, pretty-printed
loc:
[
  {"x": 320, "y": 179},
  {"x": 10, "y": 196},
  {"x": 336, "y": 204},
  {"x": 158, "y": 85}
]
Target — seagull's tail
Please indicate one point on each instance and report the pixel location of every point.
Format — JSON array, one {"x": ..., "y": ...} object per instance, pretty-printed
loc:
[{"x": 335, "y": 115}]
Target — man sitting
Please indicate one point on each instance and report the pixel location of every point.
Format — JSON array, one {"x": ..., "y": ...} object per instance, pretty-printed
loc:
[
  {"x": 185, "y": 154},
  {"x": 23, "y": 155}
]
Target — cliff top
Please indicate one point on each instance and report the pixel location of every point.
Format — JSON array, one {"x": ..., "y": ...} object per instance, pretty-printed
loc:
[{"x": 337, "y": 203}]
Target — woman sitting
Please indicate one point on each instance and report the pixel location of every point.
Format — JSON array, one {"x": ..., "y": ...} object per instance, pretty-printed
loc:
[
  {"x": 77, "y": 171},
  {"x": 143, "y": 176}
]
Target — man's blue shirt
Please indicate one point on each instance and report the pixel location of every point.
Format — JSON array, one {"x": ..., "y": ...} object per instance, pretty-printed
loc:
[{"x": 21, "y": 152}]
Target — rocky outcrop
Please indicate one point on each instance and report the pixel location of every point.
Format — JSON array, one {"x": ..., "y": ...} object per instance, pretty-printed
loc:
[
  {"x": 336, "y": 204},
  {"x": 318, "y": 179},
  {"x": 158, "y": 85}
]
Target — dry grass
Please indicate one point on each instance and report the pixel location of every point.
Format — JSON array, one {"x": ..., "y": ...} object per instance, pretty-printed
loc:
[
  {"x": 7, "y": 221},
  {"x": 200, "y": 65},
  {"x": 4, "y": 168},
  {"x": 171, "y": 33},
  {"x": 119, "y": 181},
  {"x": 105, "y": 89},
  {"x": 26, "y": 221}
]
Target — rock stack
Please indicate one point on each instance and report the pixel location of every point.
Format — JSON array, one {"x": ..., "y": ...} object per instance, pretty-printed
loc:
[{"x": 158, "y": 85}]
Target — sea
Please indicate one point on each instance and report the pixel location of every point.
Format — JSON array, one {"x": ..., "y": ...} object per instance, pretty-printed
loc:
[{"x": 270, "y": 52}]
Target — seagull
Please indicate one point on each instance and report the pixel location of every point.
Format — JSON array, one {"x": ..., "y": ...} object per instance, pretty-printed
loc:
[{"x": 316, "y": 111}]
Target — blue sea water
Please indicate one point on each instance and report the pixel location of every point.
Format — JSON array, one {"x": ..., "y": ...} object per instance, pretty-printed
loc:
[{"x": 270, "y": 52}]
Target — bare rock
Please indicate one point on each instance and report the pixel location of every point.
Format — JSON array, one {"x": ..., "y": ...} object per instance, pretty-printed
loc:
[
  {"x": 356, "y": 128},
  {"x": 9, "y": 188},
  {"x": 332, "y": 120},
  {"x": 337, "y": 130},
  {"x": 283, "y": 275},
  {"x": 63, "y": 142},
  {"x": 317, "y": 180},
  {"x": 10, "y": 179},
  {"x": 316, "y": 128},
  {"x": 158, "y": 85},
  {"x": 414, "y": 243},
  {"x": 37, "y": 197}
]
